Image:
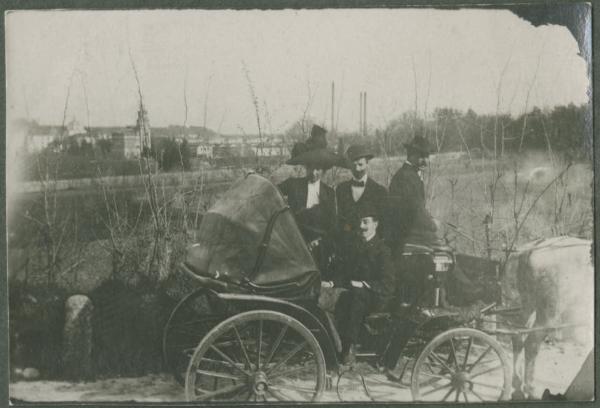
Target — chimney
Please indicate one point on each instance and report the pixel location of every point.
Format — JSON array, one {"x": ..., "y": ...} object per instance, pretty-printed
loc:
[
  {"x": 360, "y": 111},
  {"x": 365, "y": 114}
]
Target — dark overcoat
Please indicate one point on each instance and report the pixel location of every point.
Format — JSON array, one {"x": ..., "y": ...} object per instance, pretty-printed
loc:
[
  {"x": 408, "y": 218},
  {"x": 370, "y": 262},
  {"x": 347, "y": 209}
]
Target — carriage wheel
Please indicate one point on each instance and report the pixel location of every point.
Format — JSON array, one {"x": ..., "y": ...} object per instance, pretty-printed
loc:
[
  {"x": 188, "y": 323},
  {"x": 257, "y": 356},
  {"x": 463, "y": 365}
]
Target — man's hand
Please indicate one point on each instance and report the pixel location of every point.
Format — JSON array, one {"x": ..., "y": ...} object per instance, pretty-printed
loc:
[
  {"x": 314, "y": 243},
  {"x": 360, "y": 284},
  {"x": 327, "y": 284}
]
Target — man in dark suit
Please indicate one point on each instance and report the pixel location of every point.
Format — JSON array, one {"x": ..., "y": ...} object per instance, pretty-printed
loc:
[
  {"x": 368, "y": 273},
  {"x": 311, "y": 200},
  {"x": 409, "y": 219},
  {"x": 359, "y": 191},
  {"x": 409, "y": 224}
]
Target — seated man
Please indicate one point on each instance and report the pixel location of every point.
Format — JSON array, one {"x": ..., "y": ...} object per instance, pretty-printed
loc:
[{"x": 368, "y": 273}]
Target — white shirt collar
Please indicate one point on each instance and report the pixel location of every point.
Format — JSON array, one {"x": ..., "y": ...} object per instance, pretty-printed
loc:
[
  {"x": 313, "y": 183},
  {"x": 370, "y": 237},
  {"x": 363, "y": 178}
]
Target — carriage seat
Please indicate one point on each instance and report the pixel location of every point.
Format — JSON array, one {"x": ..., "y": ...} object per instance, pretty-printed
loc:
[{"x": 415, "y": 249}]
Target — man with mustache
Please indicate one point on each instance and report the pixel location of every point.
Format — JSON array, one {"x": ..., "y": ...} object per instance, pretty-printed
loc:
[
  {"x": 359, "y": 191},
  {"x": 368, "y": 273}
]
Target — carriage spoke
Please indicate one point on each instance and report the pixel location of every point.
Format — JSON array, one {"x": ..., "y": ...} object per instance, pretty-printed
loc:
[
  {"x": 486, "y": 371},
  {"x": 278, "y": 395},
  {"x": 229, "y": 360},
  {"x": 448, "y": 394},
  {"x": 241, "y": 344},
  {"x": 441, "y": 361},
  {"x": 439, "y": 377},
  {"x": 465, "y": 395},
  {"x": 259, "y": 348},
  {"x": 457, "y": 395},
  {"x": 291, "y": 354},
  {"x": 454, "y": 353},
  {"x": 476, "y": 394},
  {"x": 290, "y": 371},
  {"x": 218, "y": 375},
  {"x": 495, "y": 387},
  {"x": 276, "y": 345},
  {"x": 438, "y": 389},
  {"x": 464, "y": 367},
  {"x": 218, "y": 393},
  {"x": 480, "y": 358},
  {"x": 291, "y": 387}
]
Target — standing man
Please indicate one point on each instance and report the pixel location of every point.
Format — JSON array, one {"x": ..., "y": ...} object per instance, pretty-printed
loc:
[
  {"x": 410, "y": 225},
  {"x": 359, "y": 191},
  {"x": 410, "y": 220},
  {"x": 311, "y": 200}
]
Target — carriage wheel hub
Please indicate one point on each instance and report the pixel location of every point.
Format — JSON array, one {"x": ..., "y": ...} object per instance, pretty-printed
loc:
[
  {"x": 259, "y": 383},
  {"x": 460, "y": 380}
]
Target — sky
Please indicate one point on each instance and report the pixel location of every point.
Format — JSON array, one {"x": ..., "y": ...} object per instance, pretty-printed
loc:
[{"x": 221, "y": 61}]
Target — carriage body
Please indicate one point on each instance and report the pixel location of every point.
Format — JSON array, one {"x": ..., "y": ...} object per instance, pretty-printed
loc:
[{"x": 255, "y": 311}]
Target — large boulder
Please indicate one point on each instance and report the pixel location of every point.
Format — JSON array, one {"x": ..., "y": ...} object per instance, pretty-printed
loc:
[{"x": 77, "y": 338}]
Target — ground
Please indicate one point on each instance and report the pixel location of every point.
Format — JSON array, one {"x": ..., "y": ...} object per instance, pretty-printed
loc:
[{"x": 557, "y": 366}]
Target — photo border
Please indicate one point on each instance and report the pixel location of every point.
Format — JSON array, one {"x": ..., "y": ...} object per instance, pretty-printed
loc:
[{"x": 540, "y": 12}]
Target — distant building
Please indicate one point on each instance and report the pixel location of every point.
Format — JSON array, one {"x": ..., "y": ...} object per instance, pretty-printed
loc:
[
  {"x": 126, "y": 144},
  {"x": 75, "y": 128},
  {"x": 270, "y": 151},
  {"x": 204, "y": 150},
  {"x": 143, "y": 129},
  {"x": 39, "y": 137}
]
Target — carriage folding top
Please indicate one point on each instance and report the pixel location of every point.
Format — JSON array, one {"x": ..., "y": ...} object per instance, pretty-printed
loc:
[{"x": 250, "y": 238}]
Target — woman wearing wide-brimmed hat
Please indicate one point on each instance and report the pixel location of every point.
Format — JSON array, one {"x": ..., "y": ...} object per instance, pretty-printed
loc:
[{"x": 311, "y": 200}]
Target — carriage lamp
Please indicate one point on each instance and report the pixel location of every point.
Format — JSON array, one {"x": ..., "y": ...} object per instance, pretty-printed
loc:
[{"x": 442, "y": 262}]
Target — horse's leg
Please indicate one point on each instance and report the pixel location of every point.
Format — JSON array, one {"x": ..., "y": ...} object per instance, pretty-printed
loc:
[
  {"x": 545, "y": 317},
  {"x": 517, "y": 346},
  {"x": 532, "y": 348}
]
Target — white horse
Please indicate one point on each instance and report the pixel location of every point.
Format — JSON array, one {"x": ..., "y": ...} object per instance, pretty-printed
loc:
[{"x": 552, "y": 281}]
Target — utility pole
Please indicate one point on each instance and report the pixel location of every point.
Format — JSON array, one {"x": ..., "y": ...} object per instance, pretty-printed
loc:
[
  {"x": 360, "y": 112},
  {"x": 365, "y": 114},
  {"x": 332, "y": 105}
]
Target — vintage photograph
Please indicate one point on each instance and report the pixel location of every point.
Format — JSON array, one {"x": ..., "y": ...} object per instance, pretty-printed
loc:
[{"x": 308, "y": 205}]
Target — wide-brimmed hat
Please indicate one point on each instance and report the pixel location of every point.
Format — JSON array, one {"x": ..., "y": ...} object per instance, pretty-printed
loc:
[
  {"x": 313, "y": 152},
  {"x": 420, "y": 145},
  {"x": 356, "y": 152}
]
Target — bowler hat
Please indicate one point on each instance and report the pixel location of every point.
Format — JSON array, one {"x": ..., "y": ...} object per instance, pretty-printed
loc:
[
  {"x": 355, "y": 152},
  {"x": 313, "y": 152},
  {"x": 420, "y": 145},
  {"x": 368, "y": 209}
]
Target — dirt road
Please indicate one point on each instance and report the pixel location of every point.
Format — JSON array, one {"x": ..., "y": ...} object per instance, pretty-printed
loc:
[{"x": 557, "y": 366}]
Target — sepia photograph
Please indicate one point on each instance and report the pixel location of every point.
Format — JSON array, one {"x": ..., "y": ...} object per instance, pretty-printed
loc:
[{"x": 300, "y": 205}]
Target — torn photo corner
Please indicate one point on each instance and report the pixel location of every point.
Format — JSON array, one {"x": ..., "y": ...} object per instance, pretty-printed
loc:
[{"x": 435, "y": 242}]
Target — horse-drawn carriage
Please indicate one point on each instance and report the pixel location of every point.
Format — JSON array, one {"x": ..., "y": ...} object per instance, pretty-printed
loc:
[{"x": 253, "y": 330}]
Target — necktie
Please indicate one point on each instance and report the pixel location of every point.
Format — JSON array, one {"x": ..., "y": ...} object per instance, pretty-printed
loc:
[{"x": 357, "y": 183}]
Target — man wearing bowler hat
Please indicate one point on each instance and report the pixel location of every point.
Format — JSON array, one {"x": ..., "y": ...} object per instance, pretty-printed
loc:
[
  {"x": 409, "y": 225},
  {"x": 410, "y": 221},
  {"x": 368, "y": 274},
  {"x": 358, "y": 191},
  {"x": 311, "y": 200}
]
